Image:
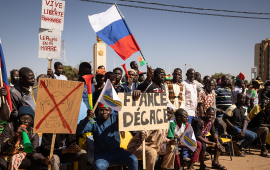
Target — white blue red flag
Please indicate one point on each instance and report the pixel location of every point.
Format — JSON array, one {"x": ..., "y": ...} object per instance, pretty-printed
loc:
[
  {"x": 109, "y": 97},
  {"x": 189, "y": 138},
  {"x": 113, "y": 30},
  {"x": 4, "y": 76}
]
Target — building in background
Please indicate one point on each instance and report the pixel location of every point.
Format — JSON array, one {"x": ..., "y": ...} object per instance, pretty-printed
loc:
[{"x": 262, "y": 59}]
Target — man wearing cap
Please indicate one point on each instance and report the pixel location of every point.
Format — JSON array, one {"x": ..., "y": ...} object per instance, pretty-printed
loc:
[
  {"x": 107, "y": 140},
  {"x": 13, "y": 155},
  {"x": 175, "y": 91},
  {"x": 253, "y": 95},
  {"x": 141, "y": 76},
  {"x": 129, "y": 85}
]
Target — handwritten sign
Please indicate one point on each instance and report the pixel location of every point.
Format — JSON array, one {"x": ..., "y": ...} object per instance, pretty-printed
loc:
[
  {"x": 49, "y": 44},
  {"x": 57, "y": 106},
  {"x": 52, "y": 14},
  {"x": 148, "y": 113}
]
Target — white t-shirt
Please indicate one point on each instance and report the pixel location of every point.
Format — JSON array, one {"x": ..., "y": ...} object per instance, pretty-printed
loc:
[{"x": 61, "y": 77}]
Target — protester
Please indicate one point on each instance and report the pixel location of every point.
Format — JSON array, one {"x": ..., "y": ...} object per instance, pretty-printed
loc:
[
  {"x": 206, "y": 79},
  {"x": 260, "y": 124},
  {"x": 223, "y": 96},
  {"x": 197, "y": 81},
  {"x": 4, "y": 109},
  {"x": 153, "y": 140},
  {"x": 58, "y": 73},
  {"x": 24, "y": 92},
  {"x": 206, "y": 98},
  {"x": 118, "y": 73},
  {"x": 13, "y": 155},
  {"x": 253, "y": 95},
  {"x": 107, "y": 140},
  {"x": 141, "y": 77},
  {"x": 236, "y": 120},
  {"x": 129, "y": 85},
  {"x": 259, "y": 78},
  {"x": 100, "y": 76},
  {"x": 257, "y": 108},
  {"x": 134, "y": 65},
  {"x": 177, "y": 129},
  {"x": 175, "y": 91},
  {"x": 239, "y": 88},
  {"x": 14, "y": 77},
  {"x": 170, "y": 112},
  {"x": 85, "y": 69},
  {"x": 65, "y": 150},
  {"x": 101, "y": 67},
  {"x": 202, "y": 126}
]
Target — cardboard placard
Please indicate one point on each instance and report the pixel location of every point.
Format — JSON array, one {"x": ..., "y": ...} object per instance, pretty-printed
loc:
[
  {"x": 148, "y": 113},
  {"x": 52, "y": 14},
  {"x": 49, "y": 44},
  {"x": 57, "y": 106}
]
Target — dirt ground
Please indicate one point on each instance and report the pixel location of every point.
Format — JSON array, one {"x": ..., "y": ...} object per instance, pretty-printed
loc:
[{"x": 252, "y": 161}]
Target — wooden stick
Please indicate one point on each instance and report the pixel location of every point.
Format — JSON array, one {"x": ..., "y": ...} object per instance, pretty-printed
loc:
[
  {"x": 143, "y": 154},
  {"x": 52, "y": 148},
  {"x": 50, "y": 64},
  {"x": 1, "y": 81},
  {"x": 95, "y": 106}
]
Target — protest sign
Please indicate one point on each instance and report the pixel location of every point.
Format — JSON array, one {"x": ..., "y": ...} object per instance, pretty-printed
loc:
[
  {"x": 52, "y": 14},
  {"x": 57, "y": 106},
  {"x": 148, "y": 113},
  {"x": 49, "y": 44}
]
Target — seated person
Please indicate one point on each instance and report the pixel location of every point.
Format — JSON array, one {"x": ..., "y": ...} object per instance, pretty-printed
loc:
[
  {"x": 201, "y": 127},
  {"x": 260, "y": 124},
  {"x": 257, "y": 108},
  {"x": 13, "y": 155},
  {"x": 65, "y": 150},
  {"x": 177, "y": 129},
  {"x": 154, "y": 140},
  {"x": 107, "y": 140},
  {"x": 236, "y": 119}
]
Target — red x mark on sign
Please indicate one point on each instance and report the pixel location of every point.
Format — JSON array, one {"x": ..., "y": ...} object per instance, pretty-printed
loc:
[{"x": 65, "y": 124}]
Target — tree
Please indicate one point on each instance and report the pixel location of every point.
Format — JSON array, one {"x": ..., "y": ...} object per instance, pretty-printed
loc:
[
  {"x": 70, "y": 73},
  {"x": 218, "y": 75}
]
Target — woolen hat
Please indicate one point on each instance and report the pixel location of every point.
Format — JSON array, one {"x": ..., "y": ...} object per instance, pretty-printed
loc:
[{"x": 26, "y": 110}]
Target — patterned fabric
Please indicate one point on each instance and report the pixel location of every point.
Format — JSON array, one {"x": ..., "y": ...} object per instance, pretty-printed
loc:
[
  {"x": 15, "y": 149},
  {"x": 16, "y": 161},
  {"x": 223, "y": 99},
  {"x": 175, "y": 94},
  {"x": 206, "y": 127},
  {"x": 207, "y": 99}
]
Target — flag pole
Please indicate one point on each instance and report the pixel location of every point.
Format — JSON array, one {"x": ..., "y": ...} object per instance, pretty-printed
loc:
[{"x": 128, "y": 29}]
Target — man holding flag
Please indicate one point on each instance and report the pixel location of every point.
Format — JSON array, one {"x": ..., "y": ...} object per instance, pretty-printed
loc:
[
  {"x": 5, "y": 100},
  {"x": 106, "y": 132}
]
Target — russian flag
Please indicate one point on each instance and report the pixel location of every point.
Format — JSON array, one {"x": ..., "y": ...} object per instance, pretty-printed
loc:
[
  {"x": 4, "y": 76},
  {"x": 113, "y": 30}
]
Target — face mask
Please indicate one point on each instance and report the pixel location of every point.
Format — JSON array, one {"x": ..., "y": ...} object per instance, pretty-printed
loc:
[{"x": 16, "y": 79}]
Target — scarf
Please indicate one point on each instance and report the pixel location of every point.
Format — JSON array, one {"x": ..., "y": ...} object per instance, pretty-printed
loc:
[{"x": 206, "y": 128}]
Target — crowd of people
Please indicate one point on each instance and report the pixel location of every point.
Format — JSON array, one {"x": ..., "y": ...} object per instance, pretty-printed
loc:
[{"x": 201, "y": 104}]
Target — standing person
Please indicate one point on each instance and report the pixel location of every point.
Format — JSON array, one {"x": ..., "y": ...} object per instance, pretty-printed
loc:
[
  {"x": 223, "y": 96},
  {"x": 101, "y": 67},
  {"x": 58, "y": 72},
  {"x": 175, "y": 91},
  {"x": 100, "y": 76},
  {"x": 236, "y": 120},
  {"x": 118, "y": 72},
  {"x": 260, "y": 124},
  {"x": 24, "y": 92},
  {"x": 134, "y": 65},
  {"x": 206, "y": 98},
  {"x": 253, "y": 95},
  {"x": 129, "y": 85},
  {"x": 107, "y": 140},
  {"x": 206, "y": 79},
  {"x": 190, "y": 102},
  {"x": 239, "y": 88},
  {"x": 14, "y": 77},
  {"x": 201, "y": 127},
  {"x": 13, "y": 155},
  {"x": 197, "y": 81},
  {"x": 141, "y": 76},
  {"x": 4, "y": 109}
]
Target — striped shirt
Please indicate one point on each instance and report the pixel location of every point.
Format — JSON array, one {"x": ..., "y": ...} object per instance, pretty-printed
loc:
[{"x": 223, "y": 99}]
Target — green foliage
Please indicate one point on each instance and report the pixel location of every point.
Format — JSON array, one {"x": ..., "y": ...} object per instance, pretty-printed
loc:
[
  {"x": 218, "y": 75},
  {"x": 70, "y": 73}
]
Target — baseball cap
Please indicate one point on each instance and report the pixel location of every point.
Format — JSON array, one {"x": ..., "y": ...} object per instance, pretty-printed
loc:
[{"x": 158, "y": 71}]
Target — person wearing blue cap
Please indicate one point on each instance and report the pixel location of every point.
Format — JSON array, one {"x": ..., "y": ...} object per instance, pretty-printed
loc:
[{"x": 13, "y": 155}]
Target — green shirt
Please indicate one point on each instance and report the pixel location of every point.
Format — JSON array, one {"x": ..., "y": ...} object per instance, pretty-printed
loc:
[
  {"x": 2, "y": 124},
  {"x": 171, "y": 130}
]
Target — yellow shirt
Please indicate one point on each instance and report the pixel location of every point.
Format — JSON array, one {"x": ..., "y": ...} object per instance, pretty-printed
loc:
[{"x": 256, "y": 109}]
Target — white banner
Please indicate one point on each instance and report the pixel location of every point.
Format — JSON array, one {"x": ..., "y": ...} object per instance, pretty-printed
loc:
[
  {"x": 49, "y": 44},
  {"x": 52, "y": 14},
  {"x": 189, "y": 138}
]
